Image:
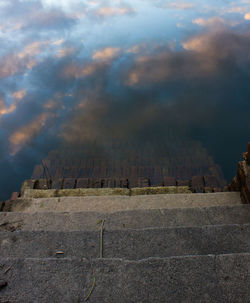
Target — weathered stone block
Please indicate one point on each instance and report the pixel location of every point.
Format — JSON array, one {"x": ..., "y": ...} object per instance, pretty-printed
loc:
[{"x": 160, "y": 190}]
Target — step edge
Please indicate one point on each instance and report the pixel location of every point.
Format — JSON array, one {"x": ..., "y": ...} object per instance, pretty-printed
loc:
[
  {"x": 88, "y": 260},
  {"x": 30, "y": 213},
  {"x": 213, "y": 226}
]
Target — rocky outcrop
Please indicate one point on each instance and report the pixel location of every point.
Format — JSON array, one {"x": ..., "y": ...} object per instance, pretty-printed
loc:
[{"x": 241, "y": 182}]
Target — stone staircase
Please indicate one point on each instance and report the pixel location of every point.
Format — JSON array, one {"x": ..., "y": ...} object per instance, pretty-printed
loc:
[{"x": 142, "y": 248}]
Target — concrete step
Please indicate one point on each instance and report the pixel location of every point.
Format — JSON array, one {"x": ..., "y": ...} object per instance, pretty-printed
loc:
[
  {"x": 210, "y": 278},
  {"x": 133, "y": 244},
  {"x": 140, "y": 218},
  {"x": 117, "y": 203}
]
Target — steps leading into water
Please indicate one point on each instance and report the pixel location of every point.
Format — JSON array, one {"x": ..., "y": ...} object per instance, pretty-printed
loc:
[{"x": 155, "y": 248}]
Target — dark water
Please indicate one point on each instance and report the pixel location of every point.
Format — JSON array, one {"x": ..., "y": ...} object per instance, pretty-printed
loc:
[{"x": 74, "y": 72}]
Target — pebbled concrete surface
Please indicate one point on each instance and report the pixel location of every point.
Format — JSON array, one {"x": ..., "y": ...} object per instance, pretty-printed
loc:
[
  {"x": 210, "y": 278},
  {"x": 67, "y": 221},
  {"x": 128, "y": 244},
  {"x": 118, "y": 203}
]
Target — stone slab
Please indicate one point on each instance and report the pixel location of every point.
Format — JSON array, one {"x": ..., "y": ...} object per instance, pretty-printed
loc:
[
  {"x": 135, "y": 219},
  {"x": 111, "y": 203},
  {"x": 133, "y": 244},
  {"x": 211, "y": 278}
]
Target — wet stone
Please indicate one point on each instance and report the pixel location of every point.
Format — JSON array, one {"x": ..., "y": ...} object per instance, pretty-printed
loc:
[
  {"x": 197, "y": 184},
  {"x": 82, "y": 183},
  {"x": 42, "y": 184},
  {"x": 143, "y": 182},
  {"x": 69, "y": 183},
  {"x": 211, "y": 181},
  {"x": 183, "y": 183},
  {"x": 169, "y": 181},
  {"x": 57, "y": 184}
]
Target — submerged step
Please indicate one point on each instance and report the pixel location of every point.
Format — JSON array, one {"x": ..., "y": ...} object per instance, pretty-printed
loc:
[
  {"x": 116, "y": 203},
  {"x": 140, "y": 218},
  {"x": 133, "y": 244},
  {"x": 210, "y": 278}
]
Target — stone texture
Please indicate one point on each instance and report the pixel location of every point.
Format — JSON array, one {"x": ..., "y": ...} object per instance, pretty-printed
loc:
[
  {"x": 211, "y": 278},
  {"x": 135, "y": 219},
  {"x": 111, "y": 200},
  {"x": 133, "y": 244},
  {"x": 160, "y": 190}
]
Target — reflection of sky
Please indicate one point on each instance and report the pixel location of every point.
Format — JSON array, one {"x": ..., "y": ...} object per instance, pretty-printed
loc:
[{"x": 57, "y": 57}]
